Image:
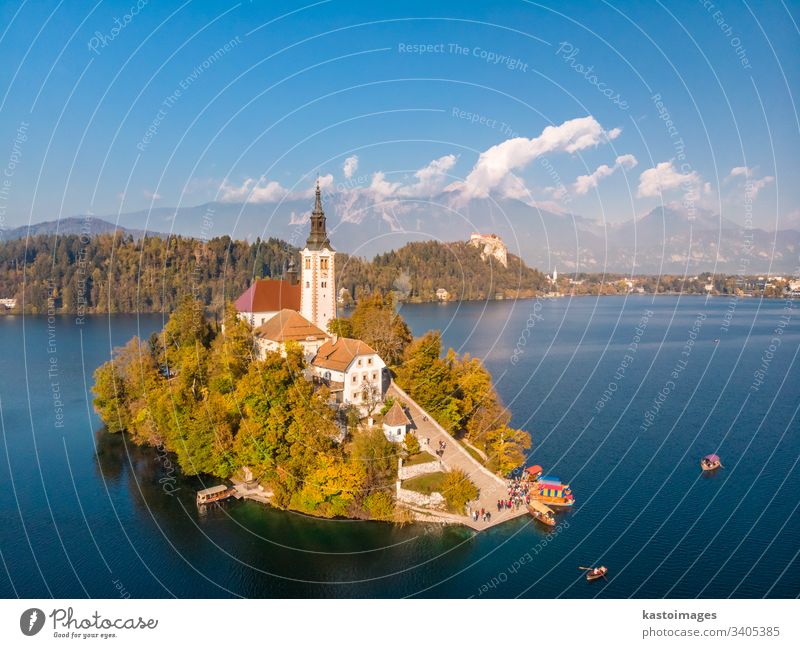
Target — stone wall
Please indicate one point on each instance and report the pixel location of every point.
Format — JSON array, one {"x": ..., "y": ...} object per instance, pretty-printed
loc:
[
  {"x": 432, "y": 501},
  {"x": 407, "y": 472}
]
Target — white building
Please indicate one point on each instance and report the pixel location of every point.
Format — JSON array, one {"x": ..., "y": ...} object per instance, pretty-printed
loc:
[
  {"x": 289, "y": 325},
  {"x": 352, "y": 370},
  {"x": 318, "y": 288},
  {"x": 396, "y": 423}
]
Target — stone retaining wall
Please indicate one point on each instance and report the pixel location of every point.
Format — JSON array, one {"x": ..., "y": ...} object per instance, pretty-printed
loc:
[
  {"x": 432, "y": 501},
  {"x": 407, "y": 472}
]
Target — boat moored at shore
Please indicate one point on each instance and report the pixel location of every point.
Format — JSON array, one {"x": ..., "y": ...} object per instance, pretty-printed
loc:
[
  {"x": 550, "y": 491},
  {"x": 541, "y": 513},
  {"x": 214, "y": 494}
]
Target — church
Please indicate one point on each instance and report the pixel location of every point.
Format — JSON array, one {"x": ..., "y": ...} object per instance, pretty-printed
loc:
[
  {"x": 313, "y": 294},
  {"x": 299, "y": 308}
]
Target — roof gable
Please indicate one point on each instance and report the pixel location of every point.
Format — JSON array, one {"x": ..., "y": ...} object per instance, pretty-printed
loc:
[
  {"x": 266, "y": 295},
  {"x": 396, "y": 416},
  {"x": 339, "y": 354},
  {"x": 288, "y": 324}
]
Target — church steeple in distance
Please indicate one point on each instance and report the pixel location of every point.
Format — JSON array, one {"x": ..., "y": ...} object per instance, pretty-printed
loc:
[{"x": 318, "y": 237}]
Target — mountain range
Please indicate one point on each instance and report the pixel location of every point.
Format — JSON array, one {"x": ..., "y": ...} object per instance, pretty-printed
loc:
[{"x": 665, "y": 240}]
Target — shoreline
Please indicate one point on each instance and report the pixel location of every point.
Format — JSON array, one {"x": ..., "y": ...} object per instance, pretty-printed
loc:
[{"x": 11, "y": 313}]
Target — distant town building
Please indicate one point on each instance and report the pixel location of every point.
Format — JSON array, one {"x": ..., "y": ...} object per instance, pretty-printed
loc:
[
  {"x": 490, "y": 245},
  {"x": 288, "y": 325},
  {"x": 442, "y": 294},
  {"x": 395, "y": 423},
  {"x": 352, "y": 370},
  {"x": 9, "y": 303}
]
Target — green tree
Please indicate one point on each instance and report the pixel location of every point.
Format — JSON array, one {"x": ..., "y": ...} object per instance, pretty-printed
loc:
[
  {"x": 379, "y": 505},
  {"x": 411, "y": 444},
  {"x": 506, "y": 448},
  {"x": 375, "y": 321},
  {"x": 458, "y": 489}
]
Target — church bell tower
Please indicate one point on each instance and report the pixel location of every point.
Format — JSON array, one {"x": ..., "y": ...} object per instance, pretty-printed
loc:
[{"x": 318, "y": 287}]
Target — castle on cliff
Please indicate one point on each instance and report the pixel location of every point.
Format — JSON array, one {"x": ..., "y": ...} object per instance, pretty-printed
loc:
[{"x": 490, "y": 245}]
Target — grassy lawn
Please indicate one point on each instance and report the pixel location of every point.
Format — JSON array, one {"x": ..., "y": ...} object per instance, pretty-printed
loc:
[
  {"x": 472, "y": 453},
  {"x": 425, "y": 484},
  {"x": 419, "y": 458}
]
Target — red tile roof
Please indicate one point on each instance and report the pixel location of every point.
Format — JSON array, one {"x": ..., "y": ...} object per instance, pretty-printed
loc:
[
  {"x": 338, "y": 355},
  {"x": 289, "y": 325},
  {"x": 396, "y": 416},
  {"x": 269, "y": 295}
]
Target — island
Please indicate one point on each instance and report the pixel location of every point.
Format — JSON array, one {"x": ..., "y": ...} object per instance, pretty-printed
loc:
[{"x": 325, "y": 415}]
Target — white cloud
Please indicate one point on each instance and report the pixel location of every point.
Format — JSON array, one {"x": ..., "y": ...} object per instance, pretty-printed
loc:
[
  {"x": 430, "y": 178},
  {"x": 350, "y": 166},
  {"x": 740, "y": 171},
  {"x": 150, "y": 195},
  {"x": 755, "y": 186},
  {"x": 664, "y": 177},
  {"x": 251, "y": 191},
  {"x": 751, "y": 186},
  {"x": 495, "y": 166},
  {"x": 586, "y": 182}
]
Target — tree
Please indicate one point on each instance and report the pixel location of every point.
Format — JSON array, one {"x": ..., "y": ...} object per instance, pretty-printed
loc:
[
  {"x": 458, "y": 489},
  {"x": 379, "y": 505},
  {"x": 378, "y": 455},
  {"x": 232, "y": 351},
  {"x": 331, "y": 487},
  {"x": 341, "y": 327},
  {"x": 506, "y": 448},
  {"x": 411, "y": 444},
  {"x": 370, "y": 397},
  {"x": 430, "y": 380},
  {"x": 376, "y": 321}
]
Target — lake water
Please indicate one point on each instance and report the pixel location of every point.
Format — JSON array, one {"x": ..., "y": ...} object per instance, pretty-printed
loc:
[{"x": 83, "y": 512}]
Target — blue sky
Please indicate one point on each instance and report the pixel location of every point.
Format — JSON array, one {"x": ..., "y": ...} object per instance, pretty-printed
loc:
[{"x": 192, "y": 102}]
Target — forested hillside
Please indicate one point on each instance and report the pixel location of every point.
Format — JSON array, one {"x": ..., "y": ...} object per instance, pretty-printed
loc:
[
  {"x": 123, "y": 275},
  {"x": 417, "y": 270}
]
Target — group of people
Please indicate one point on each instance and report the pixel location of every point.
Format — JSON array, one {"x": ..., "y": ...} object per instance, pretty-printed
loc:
[
  {"x": 483, "y": 514},
  {"x": 518, "y": 495},
  {"x": 440, "y": 451}
]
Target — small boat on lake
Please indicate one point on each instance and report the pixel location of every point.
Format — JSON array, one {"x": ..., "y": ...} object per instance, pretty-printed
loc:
[
  {"x": 710, "y": 462},
  {"x": 214, "y": 494},
  {"x": 593, "y": 573},
  {"x": 534, "y": 472},
  {"x": 541, "y": 513},
  {"x": 550, "y": 491}
]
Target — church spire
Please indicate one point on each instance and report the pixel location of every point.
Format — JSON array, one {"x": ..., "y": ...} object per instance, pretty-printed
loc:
[{"x": 318, "y": 237}]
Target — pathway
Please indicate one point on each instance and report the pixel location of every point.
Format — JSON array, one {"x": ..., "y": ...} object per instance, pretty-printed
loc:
[{"x": 490, "y": 486}]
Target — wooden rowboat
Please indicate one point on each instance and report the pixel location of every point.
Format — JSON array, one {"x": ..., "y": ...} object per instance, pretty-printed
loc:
[
  {"x": 593, "y": 573},
  {"x": 541, "y": 513},
  {"x": 710, "y": 462}
]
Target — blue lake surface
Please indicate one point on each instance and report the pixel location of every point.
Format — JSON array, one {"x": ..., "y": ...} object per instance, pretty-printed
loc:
[{"x": 82, "y": 512}]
